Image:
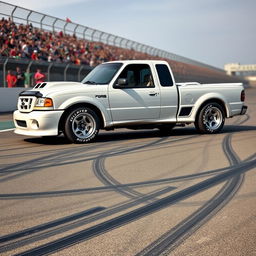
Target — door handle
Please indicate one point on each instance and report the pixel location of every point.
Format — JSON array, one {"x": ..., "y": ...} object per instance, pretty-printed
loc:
[{"x": 153, "y": 94}]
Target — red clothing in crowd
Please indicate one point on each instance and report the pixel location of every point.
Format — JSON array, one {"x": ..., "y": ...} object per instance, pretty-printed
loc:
[
  {"x": 11, "y": 80},
  {"x": 34, "y": 56},
  {"x": 39, "y": 77}
]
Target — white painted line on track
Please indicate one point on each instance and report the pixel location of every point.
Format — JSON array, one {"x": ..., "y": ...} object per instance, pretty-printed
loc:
[{"x": 7, "y": 130}]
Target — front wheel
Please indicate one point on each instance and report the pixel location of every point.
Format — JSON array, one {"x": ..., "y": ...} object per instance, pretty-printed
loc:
[
  {"x": 210, "y": 119},
  {"x": 81, "y": 125}
]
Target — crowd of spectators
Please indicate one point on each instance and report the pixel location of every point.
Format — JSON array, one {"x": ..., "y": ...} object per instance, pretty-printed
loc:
[{"x": 26, "y": 41}]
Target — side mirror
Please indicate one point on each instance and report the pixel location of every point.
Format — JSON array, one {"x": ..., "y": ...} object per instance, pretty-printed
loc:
[{"x": 121, "y": 82}]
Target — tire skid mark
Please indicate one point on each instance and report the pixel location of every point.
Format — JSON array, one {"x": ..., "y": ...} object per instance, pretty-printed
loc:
[
  {"x": 142, "y": 199},
  {"x": 172, "y": 238},
  {"x": 142, "y": 211},
  {"x": 102, "y": 174},
  {"x": 204, "y": 160},
  {"x": 55, "y": 159},
  {"x": 137, "y": 213},
  {"x": 51, "y": 224},
  {"x": 103, "y": 214},
  {"x": 64, "y": 153},
  {"x": 30, "y": 166},
  {"x": 58, "y": 193}
]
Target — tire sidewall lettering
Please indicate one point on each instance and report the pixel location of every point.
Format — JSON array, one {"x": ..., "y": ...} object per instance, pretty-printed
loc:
[
  {"x": 69, "y": 125},
  {"x": 204, "y": 118},
  {"x": 88, "y": 139},
  {"x": 76, "y": 113}
]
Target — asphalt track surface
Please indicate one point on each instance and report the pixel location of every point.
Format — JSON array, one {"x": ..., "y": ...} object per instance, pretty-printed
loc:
[{"x": 131, "y": 192}]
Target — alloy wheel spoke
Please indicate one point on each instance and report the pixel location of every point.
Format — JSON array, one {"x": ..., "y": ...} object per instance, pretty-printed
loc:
[
  {"x": 83, "y": 125},
  {"x": 84, "y": 119},
  {"x": 77, "y": 130},
  {"x": 76, "y": 121},
  {"x": 84, "y": 132}
]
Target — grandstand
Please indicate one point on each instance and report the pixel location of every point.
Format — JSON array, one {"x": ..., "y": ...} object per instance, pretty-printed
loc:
[{"x": 67, "y": 51}]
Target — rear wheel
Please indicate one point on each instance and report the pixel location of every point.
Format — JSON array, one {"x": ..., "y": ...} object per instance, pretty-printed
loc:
[
  {"x": 81, "y": 125},
  {"x": 211, "y": 118}
]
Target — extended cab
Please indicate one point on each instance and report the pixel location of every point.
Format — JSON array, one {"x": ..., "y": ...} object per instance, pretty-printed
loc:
[{"x": 131, "y": 94}]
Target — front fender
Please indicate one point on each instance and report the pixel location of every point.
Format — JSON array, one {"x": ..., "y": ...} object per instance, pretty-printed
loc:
[{"x": 102, "y": 106}]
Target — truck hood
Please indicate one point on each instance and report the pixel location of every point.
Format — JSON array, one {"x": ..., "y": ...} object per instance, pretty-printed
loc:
[{"x": 50, "y": 88}]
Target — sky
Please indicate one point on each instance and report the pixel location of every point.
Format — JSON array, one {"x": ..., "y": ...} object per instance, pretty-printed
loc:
[{"x": 214, "y": 32}]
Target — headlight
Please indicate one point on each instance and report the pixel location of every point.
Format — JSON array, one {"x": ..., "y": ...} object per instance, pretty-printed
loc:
[{"x": 43, "y": 103}]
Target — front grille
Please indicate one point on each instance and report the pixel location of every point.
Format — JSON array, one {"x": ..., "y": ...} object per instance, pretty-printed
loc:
[
  {"x": 21, "y": 123},
  {"x": 26, "y": 104}
]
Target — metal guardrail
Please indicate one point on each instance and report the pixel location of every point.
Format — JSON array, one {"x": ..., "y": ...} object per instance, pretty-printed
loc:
[{"x": 22, "y": 15}]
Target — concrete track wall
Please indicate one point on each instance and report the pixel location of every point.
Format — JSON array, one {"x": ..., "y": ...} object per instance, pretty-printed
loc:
[{"x": 8, "y": 98}]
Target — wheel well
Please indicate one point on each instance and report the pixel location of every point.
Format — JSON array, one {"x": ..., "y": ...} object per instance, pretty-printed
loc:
[
  {"x": 220, "y": 102},
  {"x": 69, "y": 109}
]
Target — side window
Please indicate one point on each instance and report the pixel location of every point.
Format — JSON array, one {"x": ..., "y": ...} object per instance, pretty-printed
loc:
[
  {"x": 164, "y": 75},
  {"x": 137, "y": 76}
]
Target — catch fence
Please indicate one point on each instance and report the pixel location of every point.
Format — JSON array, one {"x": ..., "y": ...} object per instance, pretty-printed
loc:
[
  {"x": 22, "y": 15},
  {"x": 52, "y": 70}
]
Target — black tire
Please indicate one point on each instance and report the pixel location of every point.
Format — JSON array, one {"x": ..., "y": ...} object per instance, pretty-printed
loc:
[
  {"x": 166, "y": 129},
  {"x": 81, "y": 125},
  {"x": 210, "y": 119}
]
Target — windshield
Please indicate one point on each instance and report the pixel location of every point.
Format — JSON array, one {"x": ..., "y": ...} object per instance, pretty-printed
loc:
[{"x": 102, "y": 74}]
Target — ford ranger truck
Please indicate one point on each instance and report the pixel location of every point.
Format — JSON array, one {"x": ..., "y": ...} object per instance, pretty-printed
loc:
[{"x": 129, "y": 94}]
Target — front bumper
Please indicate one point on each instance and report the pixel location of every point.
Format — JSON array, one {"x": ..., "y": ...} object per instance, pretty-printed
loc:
[
  {"x": 37, "y": 123},
  {"x": 243, "y": 110}
]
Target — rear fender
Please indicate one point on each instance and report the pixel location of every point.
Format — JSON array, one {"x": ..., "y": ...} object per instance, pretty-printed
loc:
[{"x": 210, "y": 97}]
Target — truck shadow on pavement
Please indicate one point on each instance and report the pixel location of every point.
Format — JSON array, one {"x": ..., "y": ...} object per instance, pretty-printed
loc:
[{"x": 137, "y": 134}]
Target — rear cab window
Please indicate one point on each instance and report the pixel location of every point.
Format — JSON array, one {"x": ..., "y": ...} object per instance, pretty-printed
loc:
[{"x": 164, "y": 75}]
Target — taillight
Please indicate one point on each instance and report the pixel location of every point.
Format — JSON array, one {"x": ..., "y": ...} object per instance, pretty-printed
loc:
[{"x": 242, "y": 95}]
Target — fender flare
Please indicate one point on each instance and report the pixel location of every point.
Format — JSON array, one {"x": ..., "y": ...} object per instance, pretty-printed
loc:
[
  {"x": 211, "y": 97},
  {"x": 80, "y": 100}
]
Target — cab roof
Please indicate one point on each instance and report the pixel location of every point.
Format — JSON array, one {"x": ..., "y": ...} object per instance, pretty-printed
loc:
[{"x": 138, "y": 62}]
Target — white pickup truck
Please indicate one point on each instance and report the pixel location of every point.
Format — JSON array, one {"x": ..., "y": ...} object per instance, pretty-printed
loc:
[{"x": 129, "y": 94}]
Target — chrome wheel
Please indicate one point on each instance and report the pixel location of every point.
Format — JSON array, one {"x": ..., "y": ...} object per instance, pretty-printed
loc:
[
  {"x": 213, "y": 118},
  {"x": 210, "y": 118},
  {"x": 83, "y": 125}
]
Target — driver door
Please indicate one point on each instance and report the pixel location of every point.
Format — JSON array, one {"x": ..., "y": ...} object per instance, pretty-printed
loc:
[{"x": 138, "y": 99}]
